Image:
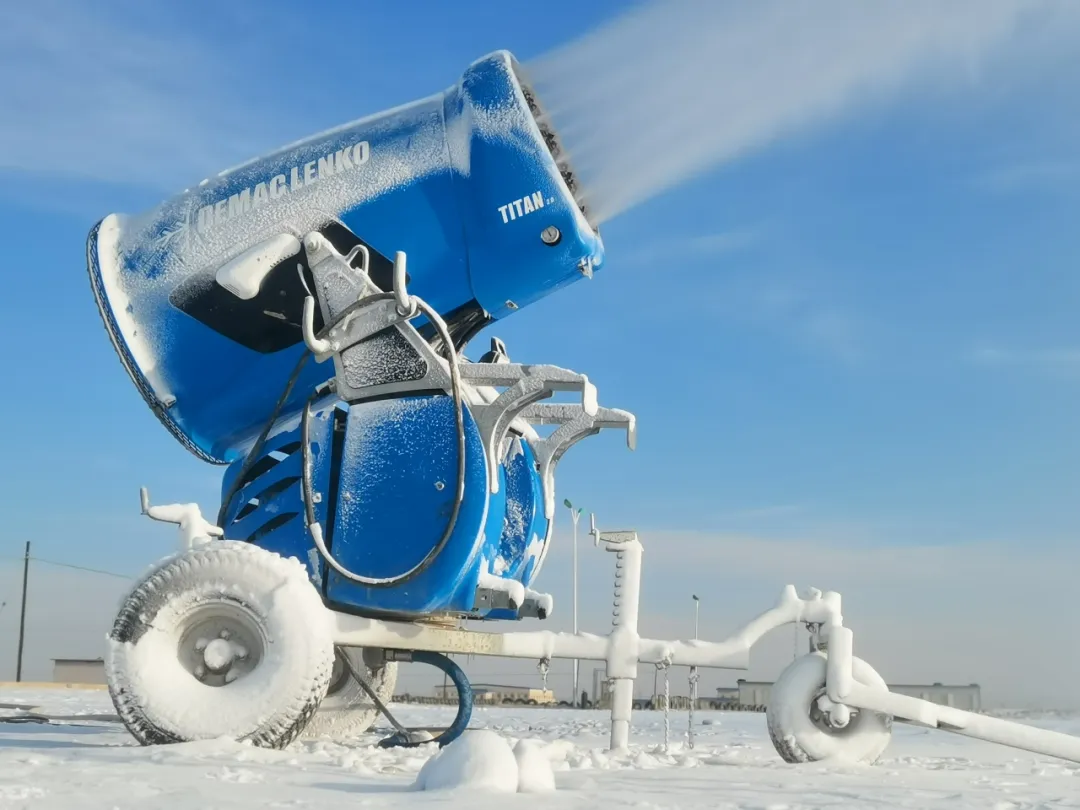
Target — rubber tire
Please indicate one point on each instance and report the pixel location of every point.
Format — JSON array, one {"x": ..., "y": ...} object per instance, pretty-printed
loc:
[
  {"x": 347, "y": 710},
  {"x": 160, "y": 701},
  {"x": 798, "y": 739}
]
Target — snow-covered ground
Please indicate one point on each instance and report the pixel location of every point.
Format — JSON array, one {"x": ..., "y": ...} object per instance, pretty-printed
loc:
[{"x": 733, "y": 765}]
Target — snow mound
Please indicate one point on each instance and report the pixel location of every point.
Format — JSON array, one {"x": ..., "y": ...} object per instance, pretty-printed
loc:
[
  {"x": 483, "y": 760},
  {"x": 534, "y": 767}
]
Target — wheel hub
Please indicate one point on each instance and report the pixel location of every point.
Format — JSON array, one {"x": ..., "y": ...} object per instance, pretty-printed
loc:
[
  {"x": 829, "y": 716},
  {"x": 221, "y": 643},
  {"x": 220, "y": 653}
]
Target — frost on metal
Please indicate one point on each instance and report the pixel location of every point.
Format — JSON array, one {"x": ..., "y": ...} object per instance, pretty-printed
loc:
[
  {"x": 140, "y": 341},
  {"x": 511, "y": 587}
]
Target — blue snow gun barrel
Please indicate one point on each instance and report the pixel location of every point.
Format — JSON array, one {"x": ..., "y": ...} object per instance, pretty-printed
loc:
[{"x": 469, "y": 183}]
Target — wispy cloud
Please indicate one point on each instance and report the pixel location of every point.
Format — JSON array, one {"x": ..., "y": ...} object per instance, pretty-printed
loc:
[
  {"x": 767, "y": 512},
  {"x": 715, "y": 244},
  {"x": 1037, "y": 175},
  {"x": 786, "y": 305},
  {"x": 122, "y": 92},
  {"x": 1061, "y": 362},
  {"x": 699, "y": 247},
  {"x": 792, "y": 309}
]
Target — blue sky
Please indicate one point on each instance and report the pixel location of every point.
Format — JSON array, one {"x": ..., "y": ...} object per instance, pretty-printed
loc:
[{"x": 854, "y": 352}]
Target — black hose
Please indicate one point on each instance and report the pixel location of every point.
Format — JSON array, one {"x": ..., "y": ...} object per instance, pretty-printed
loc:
[
  {"x": 459, "y": 495},
  {"x": 253, "y": 454}
]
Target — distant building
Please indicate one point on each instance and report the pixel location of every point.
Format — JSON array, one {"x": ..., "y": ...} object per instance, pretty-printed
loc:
[
  {"x": 967, "y": 697},
  {"x": 727, "y": 694},
  {"x": 499, "y": 693},
  {"x": 79, "y": 670}
]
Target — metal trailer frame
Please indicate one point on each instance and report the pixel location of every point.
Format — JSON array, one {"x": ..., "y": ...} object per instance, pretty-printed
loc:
[{"x": 623, "y": 648}]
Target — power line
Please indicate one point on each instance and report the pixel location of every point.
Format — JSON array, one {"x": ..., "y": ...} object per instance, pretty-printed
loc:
[
  {"x": 83, "y": 568},
  {"x": 69, "y": 565}
]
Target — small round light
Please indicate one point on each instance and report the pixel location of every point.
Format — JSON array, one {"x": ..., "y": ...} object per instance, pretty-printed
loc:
[{"x": 550, "y": 235}]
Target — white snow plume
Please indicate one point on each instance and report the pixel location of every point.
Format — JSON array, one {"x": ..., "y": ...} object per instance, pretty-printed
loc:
[{"x": 674, "y": 88}]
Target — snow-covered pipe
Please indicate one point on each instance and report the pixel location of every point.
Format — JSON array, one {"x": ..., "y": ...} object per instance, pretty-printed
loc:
[
  {"x": 839, "y": 678},
  {"x": 978, "y": 726},
  {"x": 732, "y": 653},
  {"x": 623, "y": 642}
]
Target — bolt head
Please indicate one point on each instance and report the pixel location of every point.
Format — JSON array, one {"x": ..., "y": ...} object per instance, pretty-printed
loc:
[{"x": 550, "y": 235}]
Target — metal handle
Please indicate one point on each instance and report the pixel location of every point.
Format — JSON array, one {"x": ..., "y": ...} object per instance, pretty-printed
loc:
[
  {"x": 406, "y": 307},
  {"x": 318, "y": 346}
]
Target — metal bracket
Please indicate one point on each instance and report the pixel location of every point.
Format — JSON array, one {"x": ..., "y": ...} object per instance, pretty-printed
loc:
[
  {"x": 536, "y": 605},
  {"x": 575, "y": 424},
  {"x": 524, "y": 386},
  {"x": 613, "y": 540},
  {"x": 342, "y": 286}
]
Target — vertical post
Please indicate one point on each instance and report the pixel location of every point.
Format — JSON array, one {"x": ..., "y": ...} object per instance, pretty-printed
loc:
[
  {"x": 22, "y": 615},
  {"x": 577, "y": 663},
  {"x": 574, "y": 515},
  {"x": 693, "y": 677},
  {"x": 622, "y": 649},
  {"x": 697, "y": 611}
]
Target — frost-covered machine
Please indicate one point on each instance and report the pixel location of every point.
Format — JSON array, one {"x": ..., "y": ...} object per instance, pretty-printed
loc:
[{"x": 301, "y": 320}]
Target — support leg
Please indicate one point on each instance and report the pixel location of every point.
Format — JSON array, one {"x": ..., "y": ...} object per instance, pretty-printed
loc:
[
  {"x": 622, "y": 704},
  {"x": 622, "y": 652}
]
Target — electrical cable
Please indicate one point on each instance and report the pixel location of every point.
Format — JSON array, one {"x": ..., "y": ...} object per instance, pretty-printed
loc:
[
  {"x": 21, "y": 558},
  {"x": 253, "y": 454},
  {"x": 459, "y": 419},
  {"x": 82, "y": 568}
]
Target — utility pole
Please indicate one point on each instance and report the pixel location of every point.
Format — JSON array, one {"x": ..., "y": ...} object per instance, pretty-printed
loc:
[
  {"x": 22, "y": 615},
  {"x": 574, "y": 515},
  {"x": 693, "y": 675}
]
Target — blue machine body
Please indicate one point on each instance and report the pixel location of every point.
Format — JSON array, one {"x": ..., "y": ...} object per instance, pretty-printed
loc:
[
  {"x": 389, "y": 467},
  {"x": 464, "y": 182}
]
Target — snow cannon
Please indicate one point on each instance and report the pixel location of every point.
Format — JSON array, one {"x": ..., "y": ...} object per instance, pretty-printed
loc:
[
  {"x": 203, "y": 296},
  {"x": 302, "y": 320}
]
